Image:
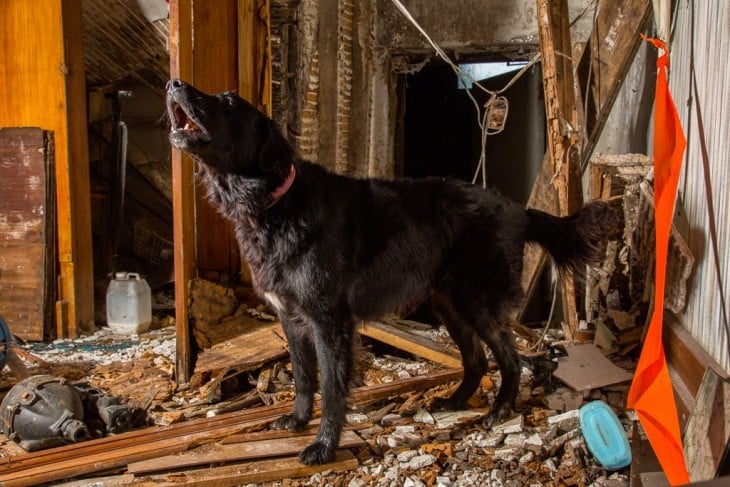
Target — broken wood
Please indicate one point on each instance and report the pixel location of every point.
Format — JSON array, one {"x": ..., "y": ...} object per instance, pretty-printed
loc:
[
  {"x": 707, "y": 437},
  {"x": 606, "y": 59},
  {"x": 396, "y": 336},
  {"x": 604, "y": 63},
  {"x": 237, "y": 452},
  {"x": 562, "y": 125},
  {"x": 252, "y": 472},
  {"x": 262, "y": 342},
  {"x": 680, "y": 260},
  {"x": 120, "y": 450}
]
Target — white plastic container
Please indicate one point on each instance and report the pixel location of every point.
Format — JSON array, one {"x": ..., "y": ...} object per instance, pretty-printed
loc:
[{"x": 128, "y": 304}]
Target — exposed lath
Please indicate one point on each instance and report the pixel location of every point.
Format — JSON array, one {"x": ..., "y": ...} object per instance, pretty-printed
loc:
[{"x": 119, "y": 43}]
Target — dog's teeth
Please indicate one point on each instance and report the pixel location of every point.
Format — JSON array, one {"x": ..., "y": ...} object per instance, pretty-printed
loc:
[{"x": 187, "y": 126}]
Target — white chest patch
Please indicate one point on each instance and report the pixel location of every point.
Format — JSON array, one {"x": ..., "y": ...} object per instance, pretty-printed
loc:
[{"x": 275, "y": 301}]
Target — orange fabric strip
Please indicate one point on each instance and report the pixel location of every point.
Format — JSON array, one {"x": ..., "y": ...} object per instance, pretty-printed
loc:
[{"x": 651, "y": 394}]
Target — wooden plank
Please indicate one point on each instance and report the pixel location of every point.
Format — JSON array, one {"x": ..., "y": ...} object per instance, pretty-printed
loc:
[
  {"x": 254, "y": 67},
  {"x": 254, "y": 472},
  {"x": 254, "y": 53},
  {"x": 248, "y": 350},
  {"x": 686, "y": 356},
  {"x": 707, "y": 436},
  {"x": 562, "y": 123},
  {"x": 214, "y": 68},
  {"x": 238, "y": 451},
  {"x": 421, "y": 346},
  {"x": 183, "y": 195},
  {"x": 605, "y": 61},
  {"x": 327, "y": 96},
  {"x": 27, "y": 234},
  {"x": 42, "y": 84},
  {"x": 120, "y": 450}
]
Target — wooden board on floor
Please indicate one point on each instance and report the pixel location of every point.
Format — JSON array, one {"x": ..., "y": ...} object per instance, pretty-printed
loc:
[
  {"x": 397, "y": 336},
  {"x": 233, "y": 452},
  {"x": 587, "y": 368},
  {"x": 120, "y": 450},
  {"x": 252, "y": 472}
]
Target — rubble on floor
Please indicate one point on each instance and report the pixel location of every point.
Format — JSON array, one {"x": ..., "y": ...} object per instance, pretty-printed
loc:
[{"x": 397, "y": 441}]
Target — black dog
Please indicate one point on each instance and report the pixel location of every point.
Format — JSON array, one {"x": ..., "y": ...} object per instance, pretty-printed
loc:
[{"x": 327, "y": 251}]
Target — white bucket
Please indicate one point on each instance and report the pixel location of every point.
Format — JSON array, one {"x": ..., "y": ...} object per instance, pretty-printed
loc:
[{"x": 128, "y": 304}]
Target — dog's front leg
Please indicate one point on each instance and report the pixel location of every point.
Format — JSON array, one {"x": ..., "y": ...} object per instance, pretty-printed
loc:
[
  {"x": 304, "y": 367},
  {"x": 333, "y": 342}
]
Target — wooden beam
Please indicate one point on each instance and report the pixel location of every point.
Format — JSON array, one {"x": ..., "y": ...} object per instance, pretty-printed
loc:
[
  {"x": 254, "y": 53},
  {"x": 42, "y": 84},
  {"x": 214, "y": 69},
  {"x": 183, "y": 195},
  {"x": 416, "y": 345},
  {"x": 254, "y": 67},
  {"x": 562, "y": 124},
  {"x": 603, "y": 66}
]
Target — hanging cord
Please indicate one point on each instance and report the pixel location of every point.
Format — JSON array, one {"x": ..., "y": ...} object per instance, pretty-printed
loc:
[
  {"x": 707, "y": 177},
  {"x": 494, "y": 103},
  {"x": 538, "y": 343}
]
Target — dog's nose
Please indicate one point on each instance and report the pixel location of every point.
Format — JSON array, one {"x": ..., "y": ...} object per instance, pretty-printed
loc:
[{"x": 174, "y": 84}]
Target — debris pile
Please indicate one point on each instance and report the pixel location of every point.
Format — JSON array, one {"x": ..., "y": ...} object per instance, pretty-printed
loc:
[{"x": 217, "y": 428}]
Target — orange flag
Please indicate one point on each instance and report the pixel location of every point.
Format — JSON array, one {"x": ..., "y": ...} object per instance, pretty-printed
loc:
[{"x": 651, "y": 394}]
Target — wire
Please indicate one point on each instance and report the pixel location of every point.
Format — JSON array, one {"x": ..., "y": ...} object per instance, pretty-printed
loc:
[{"x": 482, "y": 119}]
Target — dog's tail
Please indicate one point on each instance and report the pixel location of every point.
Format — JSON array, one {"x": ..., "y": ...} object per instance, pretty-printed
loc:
[{"x": 576, "y": 240}]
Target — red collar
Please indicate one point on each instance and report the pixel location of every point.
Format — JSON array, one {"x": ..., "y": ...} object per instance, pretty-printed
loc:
[{"x": 279, "y": 192}]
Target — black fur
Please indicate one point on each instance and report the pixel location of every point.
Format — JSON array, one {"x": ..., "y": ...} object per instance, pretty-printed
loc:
[{"x": 335, "y": 250}]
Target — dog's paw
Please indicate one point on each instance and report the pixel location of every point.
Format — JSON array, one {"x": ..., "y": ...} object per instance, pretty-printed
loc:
[
  {"x": 289, "y": 422},
  {"x": 497, "y": 416},
  {"x": 316, "y": 454},
  {"x": 446, "y": 404}
]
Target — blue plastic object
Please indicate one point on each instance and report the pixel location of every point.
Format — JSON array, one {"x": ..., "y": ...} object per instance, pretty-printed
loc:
[
  {"x": 604, "y": 435},
  {"x": 5, "y": 339}
]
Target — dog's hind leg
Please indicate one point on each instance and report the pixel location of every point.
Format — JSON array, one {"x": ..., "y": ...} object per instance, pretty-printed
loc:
[
  {"x": 475, "y": 318},
  {"x": 498, "y": 337},
  {"x": 333, "y": 340},
  {"x": 304, "y": 366},
  {"x": 473, "y": 359}
]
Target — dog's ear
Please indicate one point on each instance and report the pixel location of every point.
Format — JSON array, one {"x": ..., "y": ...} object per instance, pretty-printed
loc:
[{"x": 275, "y": 152}]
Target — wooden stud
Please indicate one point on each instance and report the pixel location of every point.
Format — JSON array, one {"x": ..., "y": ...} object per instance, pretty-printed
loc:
[
  {"x": 562, "y": 122},
  {"x": 183, "y": 195}
]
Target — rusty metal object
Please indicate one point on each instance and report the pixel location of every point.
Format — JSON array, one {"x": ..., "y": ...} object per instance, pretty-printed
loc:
[{"x": 43, "y": 411}]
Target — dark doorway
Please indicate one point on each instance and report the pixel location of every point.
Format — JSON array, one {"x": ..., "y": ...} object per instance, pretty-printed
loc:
[{"x": 441, "y": 137}]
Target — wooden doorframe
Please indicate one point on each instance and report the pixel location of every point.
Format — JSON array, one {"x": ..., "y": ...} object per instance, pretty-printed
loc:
[{"x": 233, "y": 37}]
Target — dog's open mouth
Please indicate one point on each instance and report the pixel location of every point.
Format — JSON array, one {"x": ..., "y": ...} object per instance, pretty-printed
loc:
[{"x": 185, "y": 125}]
